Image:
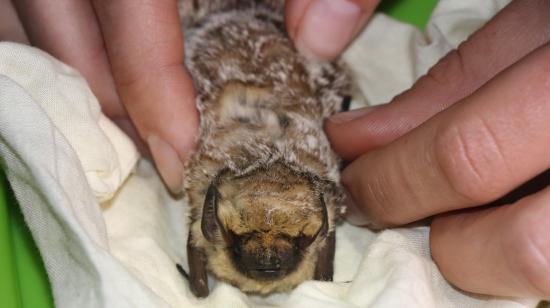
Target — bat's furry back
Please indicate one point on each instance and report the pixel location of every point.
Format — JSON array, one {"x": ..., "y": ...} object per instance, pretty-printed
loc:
[{"x": 263, "y": 183}]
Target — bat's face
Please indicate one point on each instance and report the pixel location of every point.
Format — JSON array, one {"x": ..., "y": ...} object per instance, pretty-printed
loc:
[{"x": 266, "y": 221}]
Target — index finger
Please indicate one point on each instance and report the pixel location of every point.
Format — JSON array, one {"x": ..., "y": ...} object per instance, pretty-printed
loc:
[
  {"x": 144, "y": 42},
  {"x": 518, "y": 29},
  {"x": 468, "y": 155}
]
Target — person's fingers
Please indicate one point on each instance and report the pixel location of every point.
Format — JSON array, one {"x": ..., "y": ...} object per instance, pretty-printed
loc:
[
  {"x": 69, "y": 31},
  {"x": 11, "y": 28},
  {"x": 499, "y": 251},
  {"x": 79, "y": 45},
  {"x": 144, "y": 42},
  {"x": 323, "y": 28},
  {"x": 467, "y": 155},
  {"x": 514, "y": 32}
]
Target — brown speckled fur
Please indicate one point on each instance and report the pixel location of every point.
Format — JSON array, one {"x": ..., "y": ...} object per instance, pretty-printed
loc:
[{"x": 262, "y": 107}]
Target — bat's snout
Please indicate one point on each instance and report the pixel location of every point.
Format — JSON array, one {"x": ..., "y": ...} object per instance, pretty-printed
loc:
[
  {"x": 269, "y": 263},
  {"x": 267, "y": 268}
]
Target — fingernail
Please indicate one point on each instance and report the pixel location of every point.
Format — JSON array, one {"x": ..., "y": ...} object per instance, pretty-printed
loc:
[
  {"x": 353, "y": 213},
  {"x": 168, "y": 163},
  {"x": 344, "y": 117},
  {"x": 327, "y": 27}
]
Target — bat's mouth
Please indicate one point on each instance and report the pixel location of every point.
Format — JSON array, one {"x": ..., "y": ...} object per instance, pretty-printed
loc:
[{"x": 266, "y": 273}]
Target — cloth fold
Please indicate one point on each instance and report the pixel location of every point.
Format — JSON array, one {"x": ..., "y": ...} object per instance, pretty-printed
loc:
[{"x": 109, "y": 232}]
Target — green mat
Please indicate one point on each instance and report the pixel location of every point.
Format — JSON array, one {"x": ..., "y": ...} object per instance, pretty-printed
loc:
[{"x": 23, "y": 279}]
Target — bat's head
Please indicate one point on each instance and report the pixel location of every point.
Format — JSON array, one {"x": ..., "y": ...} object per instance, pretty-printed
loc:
[{"x": 266, "y": 220}]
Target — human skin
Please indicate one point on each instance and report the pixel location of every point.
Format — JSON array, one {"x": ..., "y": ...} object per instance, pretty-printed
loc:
[
  {"x": 467, "y": 133},
  {"x": 131, "y": 53}
]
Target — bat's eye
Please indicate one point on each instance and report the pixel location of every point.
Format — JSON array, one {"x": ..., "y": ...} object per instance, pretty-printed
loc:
[
  {"x": 238, "y": 241},
  {"x": 237, "y": 250}
]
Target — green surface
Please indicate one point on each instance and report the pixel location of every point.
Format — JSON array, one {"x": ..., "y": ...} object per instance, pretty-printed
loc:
[
  {"x": 416, "y": 12},
  {"x": 23, "y": 280},
  {"x": 33, "y": 280},
  {"x": 9, "y": 287}
]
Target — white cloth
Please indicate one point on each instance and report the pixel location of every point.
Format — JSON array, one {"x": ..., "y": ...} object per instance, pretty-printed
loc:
[{"x": 111, "y": 236}]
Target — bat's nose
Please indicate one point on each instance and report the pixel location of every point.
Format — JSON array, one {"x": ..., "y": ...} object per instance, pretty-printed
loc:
[
  {"x": 269, "y": 263},
  {"x": 267, "y": 268}
]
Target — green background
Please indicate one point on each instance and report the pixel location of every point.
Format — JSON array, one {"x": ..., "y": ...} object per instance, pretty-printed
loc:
[{"x": 23, "y": 280}]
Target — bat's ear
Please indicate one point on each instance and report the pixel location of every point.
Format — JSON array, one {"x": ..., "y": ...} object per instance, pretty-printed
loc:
[
  {"x": 324, "y": 268},
  {"x": 304, "y": 241},
  {"x": 323, "y": 231},
  {"x": 210, "y": 220}
]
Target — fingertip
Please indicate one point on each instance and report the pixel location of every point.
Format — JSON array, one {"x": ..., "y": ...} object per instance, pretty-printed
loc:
[
  {"x": 358, "y": 206},
  {"x": 171, "y": 148},
  {"x": 341, "y": 141},
  {"x": 163, "y": 109},
  {"x": 185, "y": 136},
  {"x": 352, "y": 133},
  {"x": 354, "y": 214},
  {"x": 348, "y": 116},
  {"x": 294, "y": 12},
  {"x": 168, "y": 163},
  {"x": 170, "y": 129},
  {"x": 326, "y": 27}
]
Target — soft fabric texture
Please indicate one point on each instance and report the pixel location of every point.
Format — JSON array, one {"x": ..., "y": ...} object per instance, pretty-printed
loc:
[{"x": 109, "y": 233}]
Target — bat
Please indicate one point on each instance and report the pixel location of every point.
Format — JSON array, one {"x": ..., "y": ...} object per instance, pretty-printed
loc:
[{"x": 263, "y": 185}]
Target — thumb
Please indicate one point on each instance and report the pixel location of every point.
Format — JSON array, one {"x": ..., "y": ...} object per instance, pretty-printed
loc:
[
  {"x": 144, "y": 43},
  {"x": 323, "y": 28}
]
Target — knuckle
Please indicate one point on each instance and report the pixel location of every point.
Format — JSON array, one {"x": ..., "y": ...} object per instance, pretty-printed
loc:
[
  {"x": 130, "y": 82},
  {"x": 470, "y": 158},
  {"x": 449, "y": 73},
  {"x": 528, "y": 252}
]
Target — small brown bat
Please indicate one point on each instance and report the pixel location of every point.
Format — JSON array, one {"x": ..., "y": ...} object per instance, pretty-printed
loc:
[{"x": 263, "y": 185}]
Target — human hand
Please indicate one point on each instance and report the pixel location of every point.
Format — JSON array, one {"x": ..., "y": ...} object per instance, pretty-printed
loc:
[
  {"x": 470, "y": 131},
  {"x": 132, "y": 57},
  {"x": 131, "y": 54}
]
